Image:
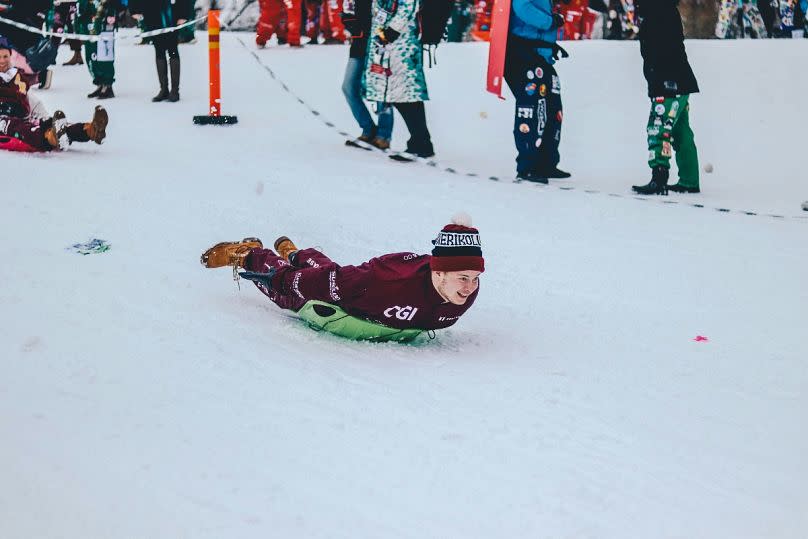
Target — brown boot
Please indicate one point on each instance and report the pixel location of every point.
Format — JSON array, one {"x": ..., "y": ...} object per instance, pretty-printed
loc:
[
  {"x": 381, "y": 143},
  {"x": 285, "y": 247},
  {"x": 96, "y": 130},
  {"x": 76, "y": 60},
  {"x": 230, "y": 253}
]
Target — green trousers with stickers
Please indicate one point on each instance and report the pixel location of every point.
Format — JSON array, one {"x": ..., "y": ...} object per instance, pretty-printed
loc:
[{"x": 669, "y": 133}]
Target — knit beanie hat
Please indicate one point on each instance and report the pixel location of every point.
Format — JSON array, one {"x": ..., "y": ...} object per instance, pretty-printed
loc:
[
  {"x": 458, "y": 247},
  {"x": 4, "y": 44}
]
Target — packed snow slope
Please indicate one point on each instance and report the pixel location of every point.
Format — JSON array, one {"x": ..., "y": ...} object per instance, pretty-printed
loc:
[{"x": 144, "y": 396}]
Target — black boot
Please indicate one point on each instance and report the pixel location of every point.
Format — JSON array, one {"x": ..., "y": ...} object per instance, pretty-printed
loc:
[
  {"x": 658, "y": 184},
  {"x": 162, "y": 77},
  {"x": 106, "y": 92},
  {"x": 174, "y": 94},
  {"x": 679, "y": 188},
  {"x": 97, "y": 92},
  {"x": 554, "y": 173},
  {"x": 530, "y": 176}
]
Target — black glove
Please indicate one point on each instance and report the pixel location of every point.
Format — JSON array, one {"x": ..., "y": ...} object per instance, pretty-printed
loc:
[
  {"x": 558, "y": 21},
  {"x": 387, "y": 35},
  {"x": 352, "y": 24}
]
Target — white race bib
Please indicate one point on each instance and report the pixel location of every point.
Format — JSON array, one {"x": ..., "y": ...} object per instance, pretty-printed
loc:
[{"x": 106, "y": 47}]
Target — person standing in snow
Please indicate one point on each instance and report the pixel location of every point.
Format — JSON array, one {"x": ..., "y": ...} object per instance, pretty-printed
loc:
[
  {"x": 156, "y": 15},
  {"x": 394, "y": 69},
  {"x": 670, "y": 83},
  {"x": 26, "y": 124},
  {"x": 531, "y": 53},
  {"x": 740, "y": 20},
  {"x": 356, "y": 19},
  {"x": 393, "y": 297},
  {"x": 271, "y": 21},
  {"x": 67, "y": 11},
  {"x": 100, "y": 18}
]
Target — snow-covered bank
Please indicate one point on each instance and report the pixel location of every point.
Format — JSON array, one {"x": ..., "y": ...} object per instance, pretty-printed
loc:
[{"x": 142, "y": 396}]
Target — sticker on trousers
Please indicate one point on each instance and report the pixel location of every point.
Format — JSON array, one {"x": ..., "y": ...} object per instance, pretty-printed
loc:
[
  {"x": 524, "y": 112},
  {"x": 541, "y": 109}
]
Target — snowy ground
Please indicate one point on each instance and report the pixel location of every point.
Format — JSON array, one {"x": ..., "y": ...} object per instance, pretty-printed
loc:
[{"x": 143, "y": 396}]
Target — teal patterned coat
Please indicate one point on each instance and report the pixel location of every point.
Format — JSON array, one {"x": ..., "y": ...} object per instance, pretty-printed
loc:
[{"x": 394, "y": 73}]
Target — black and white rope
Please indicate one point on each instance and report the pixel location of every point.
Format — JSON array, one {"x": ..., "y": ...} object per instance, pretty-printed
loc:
[
  {"x": 452, "y": 170},
  {"x": 91, "y": 37}
]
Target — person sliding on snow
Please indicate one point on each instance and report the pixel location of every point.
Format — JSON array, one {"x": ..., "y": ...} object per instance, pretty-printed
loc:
[
  {"x": 25, "y": 125},
  {"x": 394, "y": 297},
  {"x": 670, "y": 83}
]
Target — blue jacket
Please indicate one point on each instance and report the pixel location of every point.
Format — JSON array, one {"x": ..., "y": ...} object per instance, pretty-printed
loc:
[{"x": 533, "y": 19}]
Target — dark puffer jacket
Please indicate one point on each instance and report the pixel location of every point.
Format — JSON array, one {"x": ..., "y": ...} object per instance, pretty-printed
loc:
[
  {"x": 663, "y": 50},
  {"x": 158, "y": 14}
]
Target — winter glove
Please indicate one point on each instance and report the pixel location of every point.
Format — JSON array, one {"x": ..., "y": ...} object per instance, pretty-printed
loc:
[
  {"x": 558, "y": 21},
  {"x": 386, "y": 36},
  {"x": 352, "y": 24}
]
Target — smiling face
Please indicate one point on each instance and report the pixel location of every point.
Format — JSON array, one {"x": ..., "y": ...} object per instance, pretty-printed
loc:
[
  {"x": 5, "y": 60},
  {"x": 456, "y": 286}
]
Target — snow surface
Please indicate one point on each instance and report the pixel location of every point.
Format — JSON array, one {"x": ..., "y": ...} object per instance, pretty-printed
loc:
[{"x": 144, "y": 396}]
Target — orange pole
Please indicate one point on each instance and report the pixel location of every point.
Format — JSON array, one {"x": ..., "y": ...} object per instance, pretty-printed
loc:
[{"x": 213, "y": 61}]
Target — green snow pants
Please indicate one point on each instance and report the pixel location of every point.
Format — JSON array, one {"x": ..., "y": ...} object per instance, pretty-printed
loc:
[
  {"x": 668, "y": 133},
  {"x": 323, "y": 316},
  {"x": 102, "y": 72}
]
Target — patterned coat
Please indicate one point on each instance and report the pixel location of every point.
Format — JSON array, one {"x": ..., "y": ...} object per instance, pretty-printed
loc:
[{"x": 394, "y": 73}]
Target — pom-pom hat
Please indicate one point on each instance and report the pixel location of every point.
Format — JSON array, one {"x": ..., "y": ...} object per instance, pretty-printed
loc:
[
  {"x": 458, "y": 247},
  {"x": 4, "y": 44}
]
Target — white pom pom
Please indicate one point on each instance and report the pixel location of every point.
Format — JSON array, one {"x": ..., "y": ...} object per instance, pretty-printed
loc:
[{"x": 461, "y": 218}]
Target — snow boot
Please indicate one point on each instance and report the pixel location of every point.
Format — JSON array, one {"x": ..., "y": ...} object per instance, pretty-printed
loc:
[
  {"x": 162, "y": 77},
  {"x": 76, "y": 60},
  {"x": 679, "y": 188},
  {"x": 174, "y": 94},
  {"x": 56, "y": 134},
  {"x": 106, "y": 92},
  {"x": 96, "y": 129},
  {"x": 658, "y": 184},
  {"x": 534, "y": 177},
  {"x": 230, "y": 253},
  {"x": 285, "y": 248},
  {"x": 381, "y": 143},
  {"x": 97, "y": 91}
]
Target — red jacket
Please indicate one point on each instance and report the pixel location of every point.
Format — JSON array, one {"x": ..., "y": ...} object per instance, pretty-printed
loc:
[{"x": 394, "y": 290}]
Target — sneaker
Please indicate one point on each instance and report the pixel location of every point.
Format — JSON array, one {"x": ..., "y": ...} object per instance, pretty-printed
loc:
[
  {"x": 230, "y": 253},
  {"x": 96, "y": 129},
  {"x": 285, "y": 247}
]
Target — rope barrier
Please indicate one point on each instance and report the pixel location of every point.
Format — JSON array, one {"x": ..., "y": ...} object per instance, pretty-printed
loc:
[
  {"x": 90, "y": 37},
  {"x": 452, "y": 170}
]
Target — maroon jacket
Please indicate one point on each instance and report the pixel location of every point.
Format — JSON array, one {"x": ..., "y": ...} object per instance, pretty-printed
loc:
[
  {"x": 15, "y": 92},
  {"x": 394, "y": 290}
]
